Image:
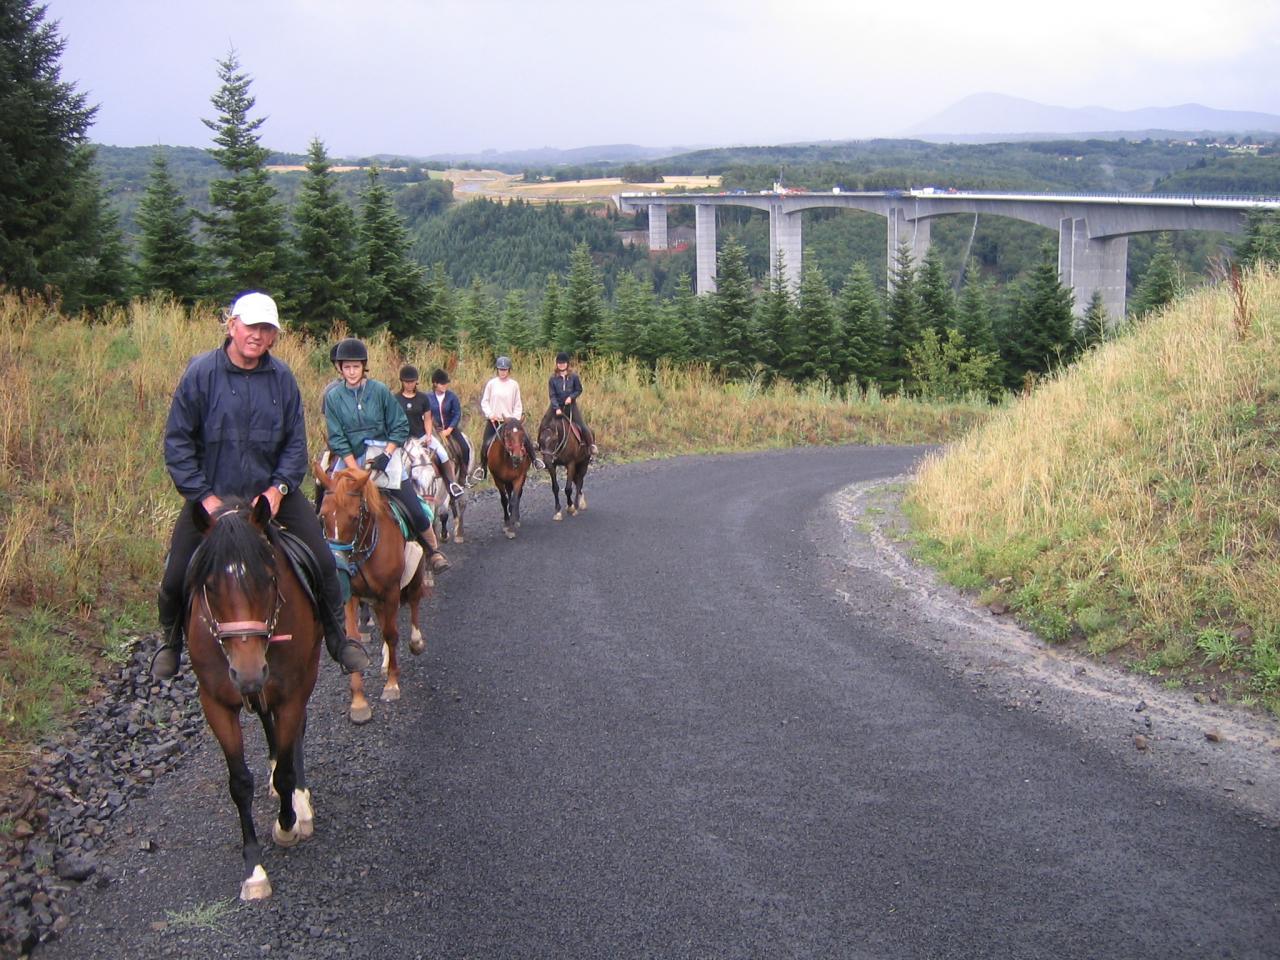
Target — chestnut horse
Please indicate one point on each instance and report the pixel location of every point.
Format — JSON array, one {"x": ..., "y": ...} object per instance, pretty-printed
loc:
[
  {"x": 562, "y": 446},
  {"x": 254, "y": 640},
  {"x": 508, "y": 465},
  {"x": 367, "y": 543}
]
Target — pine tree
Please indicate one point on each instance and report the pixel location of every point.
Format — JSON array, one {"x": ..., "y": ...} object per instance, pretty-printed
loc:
[
  {"x": 481, "y": 320},
  {"x": 774, "y": 324},
  {"x": 245, "y": 226},
  {"x": 440, "y": 315},
  {"x": 56, "y": 229},
  {"x": 905, "y": 323},
  {"x": 729, "y": 314},
  {"x": 170, "y": 257},
  {"x": 938, "y": 304},
  {"x": 1095, "y": 328},
  {"x": 549, "y": 315},
  {"x": 515, "y": 334},
  {"x": 973, "y": 313},
  {"x": 394, "y": 289},
  {"x": 688, "y": 310},
  {"x": 666, "y": 337},
  {"x": 1261, "y": 243},
  {"x": 632, "y": 314},
  {"x": 327, "y": 279},
  {"x": 582, "y": 310},
  {"x": 861, "y": 328},
  {"x": 1042, "y": 334},
  {"x": 1161, "y": 284},
  {"x": 818, "y": 346}
]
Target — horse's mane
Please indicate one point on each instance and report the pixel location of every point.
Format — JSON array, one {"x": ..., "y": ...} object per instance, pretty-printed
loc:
[
  {"x": 233, "y": 543},
  {"x": 344, "y": 481}
]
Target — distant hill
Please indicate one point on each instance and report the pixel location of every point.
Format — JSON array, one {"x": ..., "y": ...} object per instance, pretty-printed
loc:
[
  {"x": 989, "y": 116},
  {"x": 542, "y": 157}
]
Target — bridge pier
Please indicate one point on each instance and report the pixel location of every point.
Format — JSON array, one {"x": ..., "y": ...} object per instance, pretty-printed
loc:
[
  {"x": 785, "y": 237},
  {"x": 704, "y": 225},
  {"x": 1086, "y": 265},
  {"x": 657, "y": 226},
  {"x": 914, "y": 233}
]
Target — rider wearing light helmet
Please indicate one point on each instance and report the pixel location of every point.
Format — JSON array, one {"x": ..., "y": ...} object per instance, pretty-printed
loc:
[
  {"x": 235, "y": 429},
  {"x": 366, "y": 429},
  {"x": 501, "y": 401}
]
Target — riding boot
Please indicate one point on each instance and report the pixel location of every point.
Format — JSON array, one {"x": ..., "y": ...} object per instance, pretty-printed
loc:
[
  {"x": 435, "y": 558},
  {"x": 164, "y": 664},
  {"x": 348, "y": 652},
  {"x": 533, "y": 453},
  {"x": 455, "y": 489}
]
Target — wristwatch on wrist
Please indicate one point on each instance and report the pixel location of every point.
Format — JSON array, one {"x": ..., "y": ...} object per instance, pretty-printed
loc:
[{"x": 283, "y": 488}]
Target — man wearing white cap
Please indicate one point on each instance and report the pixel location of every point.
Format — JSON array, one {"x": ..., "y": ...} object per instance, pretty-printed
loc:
[{"x": 235, "y": 429}]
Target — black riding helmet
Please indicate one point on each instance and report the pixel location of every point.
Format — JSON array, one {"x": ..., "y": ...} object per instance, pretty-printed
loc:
[
  {"x": 439, "y": 376},
  {"x": 349, "y": 349},
  {"x": 562, "y": 357},
  {"x": 409, "y": 372}
]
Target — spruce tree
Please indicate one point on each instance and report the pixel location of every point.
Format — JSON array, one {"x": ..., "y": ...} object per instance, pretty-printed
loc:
[
  {"x": 170, "y": 257},
  {"x": 973, "y": 313},
  {"x": 904, "y": 319},
  {"x": 549, "y": 314},
  {"x": 1261, "y": 243},
  {"x": 582, "y": 312},
  {"x": 632, "y": 314},
  {"x": 1161, "y": 284},
  {"x": 440, "y": 317},
  {"x": 666, "y": 337},
  {"x": 1042, "y": 334},
  {"x": 1095, "y": 328},
  {"x": 56, "y": 229},
  {"x": 861, "y": 328},
  {"x": 938, "y": 304},
  {"x": 515, "y": 333},
  {"x": 245, "y": 226},
  {"x": 816, "y": 357},
  {"x": 688, "y": 310},
  {"x": 394, "y": 288},
  {"x": 774, "y": 325},
  {"x": 327, "y": 281},
  {"x": 481, "y": 320},
  {"x": 729, "y": 314}
]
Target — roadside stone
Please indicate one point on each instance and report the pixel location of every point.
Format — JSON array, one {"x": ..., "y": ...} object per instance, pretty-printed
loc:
[
  {"x": 1140, "y": 742},
  {"x": 1213, "y": 736},
  {"x": 76, "y": 867}
]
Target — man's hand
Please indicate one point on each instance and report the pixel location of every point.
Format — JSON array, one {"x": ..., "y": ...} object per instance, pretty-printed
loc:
[
  {"x": 274, "y": 496},
  {"x": 212, "y": 504},
  {"x": 379, "y": 462},
  {"x": 568, "y": 400},
  {"x": 444, "y": 433}
]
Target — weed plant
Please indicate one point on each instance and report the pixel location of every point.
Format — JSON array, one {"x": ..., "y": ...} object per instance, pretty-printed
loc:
[{"x": 1130, "y": 505}]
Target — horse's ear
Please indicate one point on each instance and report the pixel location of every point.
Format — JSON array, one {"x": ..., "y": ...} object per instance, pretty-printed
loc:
[
  {"x": 200, "y": 517},
  {"x": 261, "y": 512},
  {"x": 322, "y": 478}
]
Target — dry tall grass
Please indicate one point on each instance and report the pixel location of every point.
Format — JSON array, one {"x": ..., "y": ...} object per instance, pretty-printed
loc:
[
  {"x": 88, "y": 506},
  {"x": 1132, "y": 502}
]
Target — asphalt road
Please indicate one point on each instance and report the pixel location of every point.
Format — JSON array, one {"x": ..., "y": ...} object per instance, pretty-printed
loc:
[{"x": 656, "y": 731}]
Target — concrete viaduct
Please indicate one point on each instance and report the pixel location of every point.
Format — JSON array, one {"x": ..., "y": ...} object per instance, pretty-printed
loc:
[{"x": 1093, "y": 230}]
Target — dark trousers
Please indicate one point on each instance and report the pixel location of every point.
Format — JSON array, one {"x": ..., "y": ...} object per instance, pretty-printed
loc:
[
  {"x": 413, "y": 506},
  {"x": 295, "y": 515}
]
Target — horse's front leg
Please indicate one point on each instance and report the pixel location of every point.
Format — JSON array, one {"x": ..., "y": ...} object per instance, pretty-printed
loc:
[
  {"x": 388, "y": 616},
  {"x": 224, "y": 721},
  {"x": 555, "y": 488},
  {"x": 507, "y": 528},
  {"x": 287, "y": 828},
  {"x": 412, "y": 595},
  {"x": 517, "y": 490},
  {"x": 359, "y": 710}
]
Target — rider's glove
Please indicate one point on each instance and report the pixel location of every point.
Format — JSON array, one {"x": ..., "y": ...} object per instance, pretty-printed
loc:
[{"x": 379, "y": 462}]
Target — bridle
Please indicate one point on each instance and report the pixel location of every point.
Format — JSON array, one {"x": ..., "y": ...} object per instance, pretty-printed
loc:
[
  {"x": 505, "y": 432},
  {"x": 364, "y": 531},
  {"x": 562, "y": 423},
  {"x": 227, "y": 630}
]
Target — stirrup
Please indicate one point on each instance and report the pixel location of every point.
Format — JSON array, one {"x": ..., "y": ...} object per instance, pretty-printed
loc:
[
  {"x": 478, "y": 475},
  {"x": 456, "y": 490}
]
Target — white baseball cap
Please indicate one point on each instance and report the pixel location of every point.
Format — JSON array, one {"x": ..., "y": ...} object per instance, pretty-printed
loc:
[{"x": 256, "y": 308}]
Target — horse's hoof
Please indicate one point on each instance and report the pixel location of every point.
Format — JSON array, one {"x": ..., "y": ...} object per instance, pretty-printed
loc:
[
  {"x": 458, "y": 539},
  {"x": 582, "y": 503},
  {"x": 361, "y": 715},
  {"x": 573, "y": 511},
  {"x": 510, "y": 534},
  {"x": 283, "y": 837},
  {"x": 391, "y": 694},
  {"x": 558, "y": 516},
  {"x": 417, "y": 644},
  {"x": 257, "y": 886}
]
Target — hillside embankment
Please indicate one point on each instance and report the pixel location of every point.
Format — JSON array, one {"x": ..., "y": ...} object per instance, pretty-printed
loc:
[{"x": 1129, "y": 506}]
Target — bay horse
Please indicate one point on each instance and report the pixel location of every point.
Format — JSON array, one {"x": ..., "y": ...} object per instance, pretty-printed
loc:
[
  {"x": 368, "y": 544},
  {"x": 254, "y": 641},
  {"x": 562, "y": 446},
  {"x": 508, "y": 465}
]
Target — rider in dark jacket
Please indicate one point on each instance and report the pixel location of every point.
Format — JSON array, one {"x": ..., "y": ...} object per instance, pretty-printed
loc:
[
  {"x": 235, "y": 429},
  {"x": 564, "y": 388}
]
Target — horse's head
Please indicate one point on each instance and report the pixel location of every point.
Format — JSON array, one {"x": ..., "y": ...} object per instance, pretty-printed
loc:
[
  {"x": 512, "y": 435},
  {"x": 550, "y": 437},
  {"x": 348, "y": 499},
  {"x": 234, "y": 588}
]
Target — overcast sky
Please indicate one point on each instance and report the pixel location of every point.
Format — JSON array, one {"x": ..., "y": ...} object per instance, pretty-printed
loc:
[{"x": 418, "y": 77}]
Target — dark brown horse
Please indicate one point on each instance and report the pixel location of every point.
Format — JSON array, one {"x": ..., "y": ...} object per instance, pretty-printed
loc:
[
  {"x": 508, "y": 464},
  {"x": 361, "y": 530},
  {"x": 254, "y": 640},
  {"x": 563, "y": 446}
]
